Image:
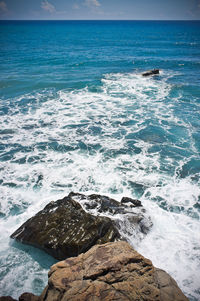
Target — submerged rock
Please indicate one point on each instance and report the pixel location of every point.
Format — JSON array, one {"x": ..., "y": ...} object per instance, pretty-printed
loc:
[
  {"x": 64, "y": 229},
  {"x": 150, "y": 72},
  {"x": 113, "y": 271}
]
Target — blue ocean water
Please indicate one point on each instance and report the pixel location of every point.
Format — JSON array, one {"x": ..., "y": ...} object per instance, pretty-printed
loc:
[{"x": 76, "y": 115}]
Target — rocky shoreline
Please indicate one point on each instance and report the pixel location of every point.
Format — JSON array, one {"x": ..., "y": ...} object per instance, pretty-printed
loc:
[
  {"x": 98, "y": 263},
  {"x": 72, "y": 225}
]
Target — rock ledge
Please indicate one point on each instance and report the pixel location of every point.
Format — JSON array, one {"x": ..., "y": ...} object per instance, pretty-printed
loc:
[{"x": 113, "y": 271}]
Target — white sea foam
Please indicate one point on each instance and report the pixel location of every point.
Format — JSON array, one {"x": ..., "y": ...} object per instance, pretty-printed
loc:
[
  {"x": 173, "y": 245},
  {"x": 86, "y": 141}
]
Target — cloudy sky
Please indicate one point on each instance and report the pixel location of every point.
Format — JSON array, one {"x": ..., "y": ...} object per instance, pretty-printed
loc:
[{"x": 100, "y": 9}]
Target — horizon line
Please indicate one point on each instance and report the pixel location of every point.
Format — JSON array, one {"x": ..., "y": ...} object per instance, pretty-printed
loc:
[{"x": 100, "y": 20}]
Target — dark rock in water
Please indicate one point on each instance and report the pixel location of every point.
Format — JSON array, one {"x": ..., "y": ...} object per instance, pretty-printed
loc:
[
  {"x": 134, "y": 203},
  {"x": 150, "y": 72},
  {"x": 23, "y": 297},
  {"x": 28, "y": 297},
  {"x": 113, "y": 271},
  {"x": 100, "y": 203},
  {"x": 104, "y": 204},
  {"x": 133, "y": 218},
  {"x": 64, "y": 229}
]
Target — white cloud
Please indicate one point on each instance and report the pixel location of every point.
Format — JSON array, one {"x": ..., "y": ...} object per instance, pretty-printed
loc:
[
  {"x": 92, "y": 3},
  {"x": 3, "y": 7},
  {"x": 76, "y": 6},
  {"x": 196, "y": 5},
  {"x": 195, "y": 9},
  {"x": 48, "y": 6}
]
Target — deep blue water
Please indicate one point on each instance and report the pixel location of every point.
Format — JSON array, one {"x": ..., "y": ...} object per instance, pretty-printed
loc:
[{"x": 76, "y": 115}]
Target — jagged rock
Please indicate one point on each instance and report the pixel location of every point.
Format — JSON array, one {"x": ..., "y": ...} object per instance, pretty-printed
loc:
[
  {"x": 63, "y": 229},
  {"x": 104, "y": 204},
  {"x": 134, "y": 203},
  {"x": 113, "y": 271},
  {"x": 100, "y": 203},
  {"x": 150, "y": 72},
  {"x": 130, "y": 210}
]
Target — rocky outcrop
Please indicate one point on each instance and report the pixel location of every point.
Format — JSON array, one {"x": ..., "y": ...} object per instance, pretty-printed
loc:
[
  {"x": 104, "y": 270},
  {"x": 150, "y": 72},
  {"x": 113, "y": 271},
  {"x": 64, "y": 229},
  {"x": 104, "y": 204},
  {"x": 129, "y": 210}
]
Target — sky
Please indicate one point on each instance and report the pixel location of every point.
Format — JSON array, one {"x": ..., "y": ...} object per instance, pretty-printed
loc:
[{"x": 100, "y": 9}]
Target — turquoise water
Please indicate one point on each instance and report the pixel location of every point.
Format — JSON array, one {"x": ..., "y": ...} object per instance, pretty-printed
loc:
[{"x": 76, "y": 115}]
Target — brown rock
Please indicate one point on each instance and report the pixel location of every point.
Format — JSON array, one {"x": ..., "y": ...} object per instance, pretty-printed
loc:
[
  {"x": 28, "y": 297},
  {"x": 113, "y": 271}
]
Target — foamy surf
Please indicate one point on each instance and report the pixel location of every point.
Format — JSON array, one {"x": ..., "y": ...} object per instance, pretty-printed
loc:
[{"x": 126, "y": 139}]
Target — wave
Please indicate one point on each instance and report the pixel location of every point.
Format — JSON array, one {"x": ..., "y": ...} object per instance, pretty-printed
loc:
[{"x": 128, "y": 137}]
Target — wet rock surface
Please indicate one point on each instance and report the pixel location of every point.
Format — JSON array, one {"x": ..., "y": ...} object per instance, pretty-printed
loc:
[
  {"x": 151, "y": 72},
  {"x": 129, "y": 215},
  {"x": 64, "y": 229},
  {"x": 104, "y": 204},
  {"x": 113, "y": 271},
  {"x": 28, "y": 297}
]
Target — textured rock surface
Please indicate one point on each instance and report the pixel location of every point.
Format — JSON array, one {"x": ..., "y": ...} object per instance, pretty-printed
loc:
[
  {"x": 104, "y": 204},
  {"x": 150, "y": 72},
  {"x": 113, "y": 271},
  {"x": 130, "y": 210},
  {"x": 64, "y": 229}
]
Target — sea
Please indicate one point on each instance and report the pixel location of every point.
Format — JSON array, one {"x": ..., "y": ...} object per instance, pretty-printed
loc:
[{"x": 77, "y": 115}]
